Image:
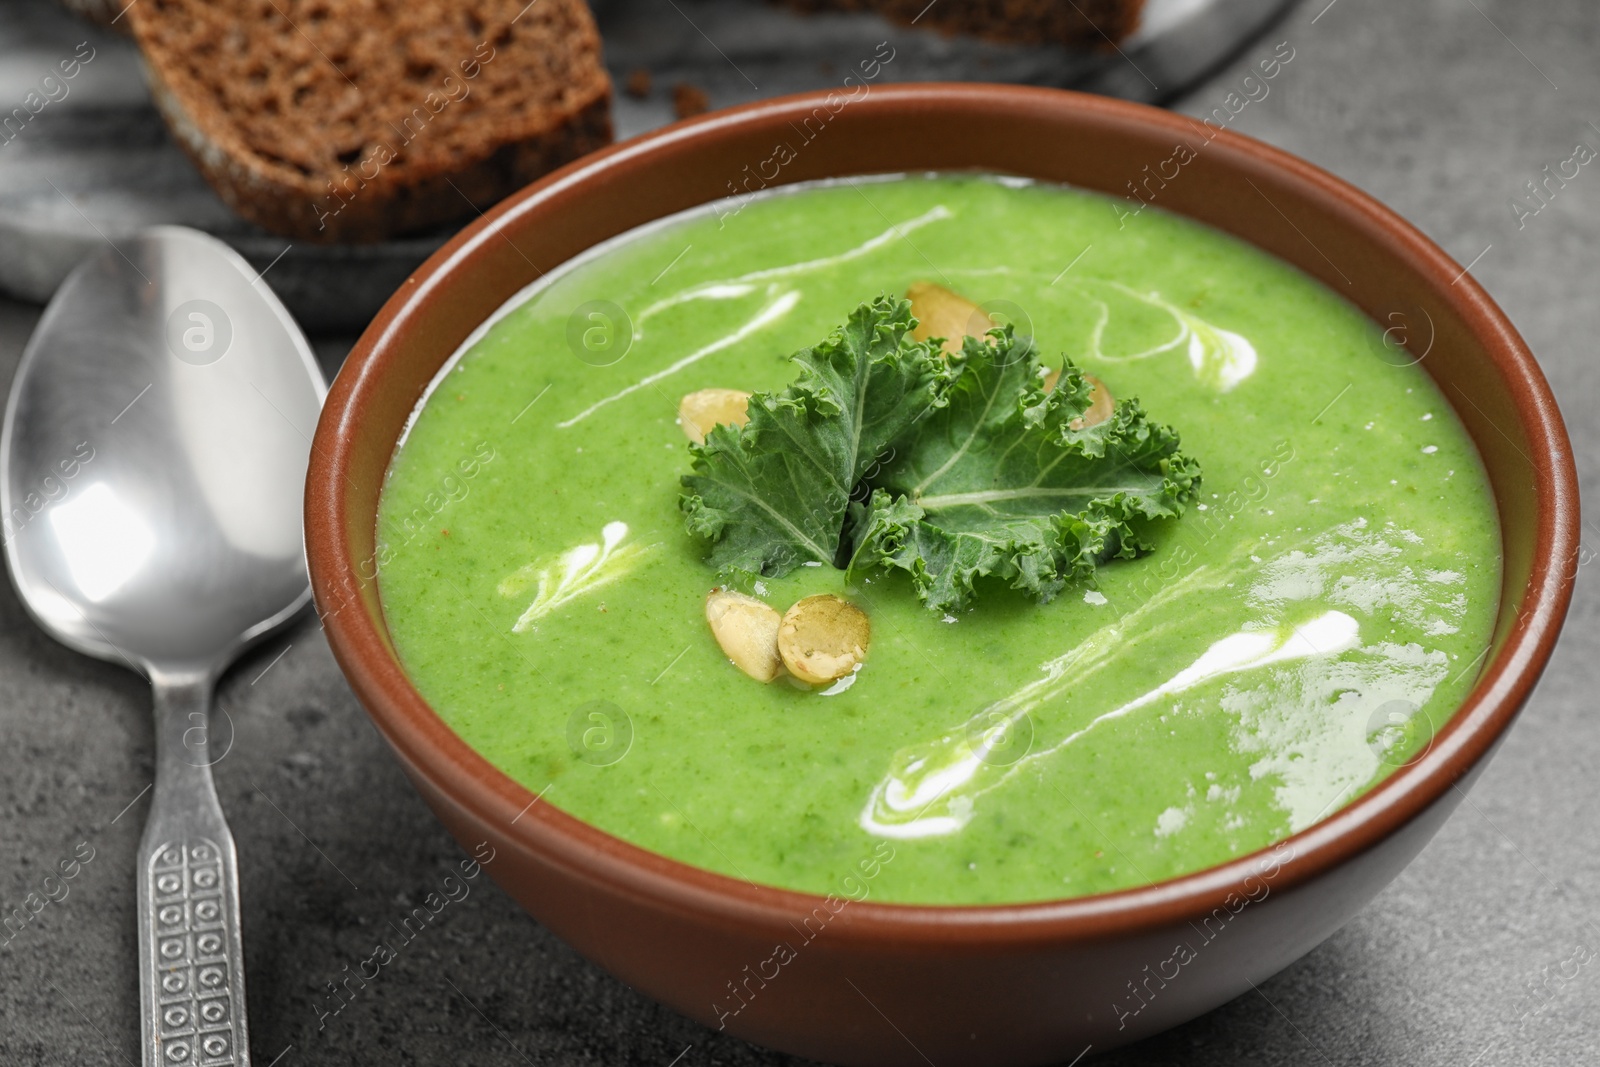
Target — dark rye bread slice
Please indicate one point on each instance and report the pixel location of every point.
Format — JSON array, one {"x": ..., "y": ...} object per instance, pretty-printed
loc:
[
  {"x": 1068, "y": 22},
  {"x": 357, "y": 120}
]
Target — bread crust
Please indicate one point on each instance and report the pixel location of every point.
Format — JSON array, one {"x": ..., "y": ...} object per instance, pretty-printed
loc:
[{"x": 340, "y": 167}]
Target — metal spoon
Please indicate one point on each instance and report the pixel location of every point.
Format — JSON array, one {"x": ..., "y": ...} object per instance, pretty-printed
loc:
[{"x": 152, "y": 466}]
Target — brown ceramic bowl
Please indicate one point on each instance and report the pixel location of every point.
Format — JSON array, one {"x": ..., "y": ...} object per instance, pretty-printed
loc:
[{"x": 897, "y": 984}]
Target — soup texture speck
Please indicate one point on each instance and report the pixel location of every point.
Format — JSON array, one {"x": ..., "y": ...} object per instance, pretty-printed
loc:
[{"x": 1305, "y": 627}]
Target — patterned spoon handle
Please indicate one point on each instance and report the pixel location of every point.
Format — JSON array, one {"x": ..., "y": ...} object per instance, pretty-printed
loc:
[{"x": 191, "y": 954}]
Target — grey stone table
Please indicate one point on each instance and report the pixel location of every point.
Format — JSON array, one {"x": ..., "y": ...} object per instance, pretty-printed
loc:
[{"x": 1485, "y": 952}]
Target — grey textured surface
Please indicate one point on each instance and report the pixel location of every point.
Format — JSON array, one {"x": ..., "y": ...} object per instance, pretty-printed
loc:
[
  {"x": 95, "y": 162},
  {"x": 1428, "y": 105}
]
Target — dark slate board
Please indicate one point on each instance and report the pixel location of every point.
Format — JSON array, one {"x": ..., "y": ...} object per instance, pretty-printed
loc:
[{"x": 96, "y": 164}]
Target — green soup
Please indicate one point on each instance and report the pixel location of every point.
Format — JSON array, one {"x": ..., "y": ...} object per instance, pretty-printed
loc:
[{"x": 1297, "y": 634}]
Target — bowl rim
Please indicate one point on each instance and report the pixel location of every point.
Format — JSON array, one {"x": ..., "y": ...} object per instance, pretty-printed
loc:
[{"x": 429, "y": 748}]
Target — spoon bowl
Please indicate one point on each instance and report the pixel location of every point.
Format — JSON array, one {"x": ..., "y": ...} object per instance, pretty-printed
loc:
[
  {"x": 154, "y": 453},
  {"x": 151, "y": 468}
]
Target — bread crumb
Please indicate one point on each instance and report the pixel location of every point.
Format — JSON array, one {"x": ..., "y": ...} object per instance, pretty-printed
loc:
[
  {"x": 638, "y": 84},
  {"x": 689, "y": 100}
]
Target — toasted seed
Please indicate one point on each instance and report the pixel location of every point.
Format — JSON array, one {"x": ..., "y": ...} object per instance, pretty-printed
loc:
[
  {"x": 699, "y": 412},
  {"x": 1101, "y": 402},
  {"x": 823, "y": 638},
  {"x": 747, "y": 631},
  {"x": 941, "y": 313}
]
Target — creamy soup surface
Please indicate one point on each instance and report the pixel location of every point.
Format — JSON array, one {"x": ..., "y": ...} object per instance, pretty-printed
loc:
[{"x": 1309, "y": 623}]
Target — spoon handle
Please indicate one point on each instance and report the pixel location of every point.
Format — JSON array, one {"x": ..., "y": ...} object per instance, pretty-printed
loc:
[{"x": 191, "y": 955}]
